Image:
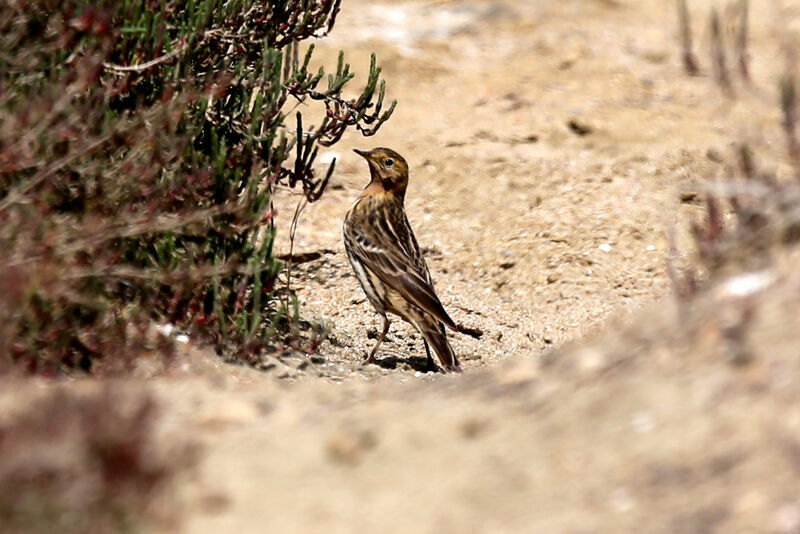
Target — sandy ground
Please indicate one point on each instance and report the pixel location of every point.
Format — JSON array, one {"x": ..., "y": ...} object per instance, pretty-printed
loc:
[{"x": 549, "y": 143}]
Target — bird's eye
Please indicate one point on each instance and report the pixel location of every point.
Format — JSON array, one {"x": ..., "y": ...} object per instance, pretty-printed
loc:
[{"x": 389, "y": 162}]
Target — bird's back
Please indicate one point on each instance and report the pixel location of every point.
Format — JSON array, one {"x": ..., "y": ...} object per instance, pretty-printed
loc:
[{"x": 384, "y": 252}]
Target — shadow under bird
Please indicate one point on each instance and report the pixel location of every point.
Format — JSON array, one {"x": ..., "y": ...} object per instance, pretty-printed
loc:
[{"x": 388, "y": 262}]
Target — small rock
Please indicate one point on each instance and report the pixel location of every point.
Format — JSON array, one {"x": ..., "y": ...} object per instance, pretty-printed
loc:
[
  {"x": 214, "y": 503},
  {"x": 349, "y": 446},
  {"x": 579, "y": 128},
  {"x": 472, "y": 428},
  {"x": 589, "y": 361},
  {"x": 744, "y": 285},
  {"x": 230, "y": 412},
  {"x": 521, "y": 372},
  {"x": 713, "y": 155},
  {"x": 328, "y": 157},
  {"x": 643, "y": 422},
  {"x": 621, "y": 500}
]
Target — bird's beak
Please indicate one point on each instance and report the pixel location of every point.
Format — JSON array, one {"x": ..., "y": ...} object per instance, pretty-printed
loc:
[{"x": 363, "y": 153}]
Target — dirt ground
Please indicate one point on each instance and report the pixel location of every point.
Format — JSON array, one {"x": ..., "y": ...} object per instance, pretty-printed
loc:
[{"x": 550, "y": 143}]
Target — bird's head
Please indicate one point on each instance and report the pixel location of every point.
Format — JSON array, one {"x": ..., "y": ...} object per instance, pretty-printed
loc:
[{"x": 387, "y": 167}]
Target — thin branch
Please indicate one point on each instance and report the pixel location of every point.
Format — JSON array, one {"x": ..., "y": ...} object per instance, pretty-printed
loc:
[
  {"x": 718, "y": 57},
  {"x": 292, "y": 231},
  {"x": 122, "y": 69},
  {"x": 689, "y": 59},
  {"x": 742, "y": 40},
  {"x": 788, "y": 87}
]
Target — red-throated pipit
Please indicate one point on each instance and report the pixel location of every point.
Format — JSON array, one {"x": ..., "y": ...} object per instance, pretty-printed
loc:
[{"x": 387, "y": 259}]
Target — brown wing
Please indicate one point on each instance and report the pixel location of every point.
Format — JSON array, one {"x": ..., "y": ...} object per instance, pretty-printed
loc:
[{"x": 383, "y": 241}]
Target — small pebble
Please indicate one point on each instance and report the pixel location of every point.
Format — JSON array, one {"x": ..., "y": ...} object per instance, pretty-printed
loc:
[
  {"x": 328, "y": 157},
  {"x": 643, "y": 422},
  {"x": 348, "y": 447},
  {"x": 622, "y": 500}
]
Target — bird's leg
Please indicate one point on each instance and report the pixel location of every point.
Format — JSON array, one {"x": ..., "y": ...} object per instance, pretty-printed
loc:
[
  {"x": 371, "y": 357},
  {"x": 430, "y": 363}
]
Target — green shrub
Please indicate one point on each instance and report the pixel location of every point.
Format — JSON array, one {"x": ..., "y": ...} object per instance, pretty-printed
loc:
[{"x": 140, "y": 143}]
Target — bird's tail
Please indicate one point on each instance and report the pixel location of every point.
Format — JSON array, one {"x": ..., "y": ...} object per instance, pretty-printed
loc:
[{"x": 433, "y": 332}]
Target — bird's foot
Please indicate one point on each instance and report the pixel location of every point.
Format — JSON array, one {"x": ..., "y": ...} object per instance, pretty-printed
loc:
[
  {"x": 431, "y": 367},
  {"x": 455, "y": 368}
]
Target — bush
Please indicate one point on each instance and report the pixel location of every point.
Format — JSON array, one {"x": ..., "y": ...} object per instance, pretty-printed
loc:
[{"x": 140, "y": 143}]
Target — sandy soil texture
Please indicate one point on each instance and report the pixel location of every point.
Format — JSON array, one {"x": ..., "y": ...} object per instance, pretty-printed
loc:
[{"x": 550, "y": 144}]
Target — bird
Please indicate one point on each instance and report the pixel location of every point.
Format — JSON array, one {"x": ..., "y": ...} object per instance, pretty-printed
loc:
[{"x": 388, "y": 261}]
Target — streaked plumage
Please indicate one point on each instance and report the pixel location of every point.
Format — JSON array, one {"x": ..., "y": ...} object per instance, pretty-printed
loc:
[{"x": 387, "y": 260}]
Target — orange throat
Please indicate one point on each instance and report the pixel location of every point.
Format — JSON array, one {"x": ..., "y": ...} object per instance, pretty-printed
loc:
[{"x": 376, "y": 189}]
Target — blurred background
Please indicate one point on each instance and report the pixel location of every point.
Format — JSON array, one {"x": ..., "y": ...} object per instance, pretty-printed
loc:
[{"x": 609, "y": 190}]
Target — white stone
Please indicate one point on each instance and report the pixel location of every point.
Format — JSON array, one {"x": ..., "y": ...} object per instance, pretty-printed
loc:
[
  {"x": 328, "y": 157},
  {"x": 746, "y": 284}
]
